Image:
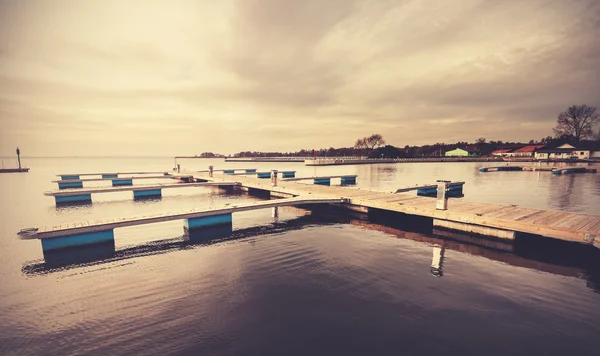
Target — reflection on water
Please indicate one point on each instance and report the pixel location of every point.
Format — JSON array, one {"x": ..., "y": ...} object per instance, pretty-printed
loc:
[
  {"x": 296, "y": 282},
  {"x": 437, "y": 263},
  {"x": 545, "y": 255}
]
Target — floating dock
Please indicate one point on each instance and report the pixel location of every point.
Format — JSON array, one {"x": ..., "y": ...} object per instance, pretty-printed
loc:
[
  {"x": 501, "y": 169},
  {"x": 84, "y": 195},
  {"x": 101, "y": 231},
  {"x": 325, "y": 180},
  {"x": 503, "y": 222},
  {"x": 103, "y": 175},
  {"x": 122, "y": 181},
  {"x": 555, "y": 170},
  {"x": 495, "y": 220},
  {"x": 572, "y": 170}
]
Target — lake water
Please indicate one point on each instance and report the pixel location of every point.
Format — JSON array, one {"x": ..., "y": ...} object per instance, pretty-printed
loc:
[{"x": 301, "y": 283}]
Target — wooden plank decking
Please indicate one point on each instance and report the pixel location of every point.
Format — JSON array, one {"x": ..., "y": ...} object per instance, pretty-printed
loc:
[
  {"x": 117, "y": 179},
  {"x": 575, "y": 227},
  {"x": 109, "y": 224}
]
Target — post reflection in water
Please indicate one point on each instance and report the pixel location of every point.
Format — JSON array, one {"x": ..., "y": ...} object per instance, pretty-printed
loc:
[{"x": 437, "y": 263}]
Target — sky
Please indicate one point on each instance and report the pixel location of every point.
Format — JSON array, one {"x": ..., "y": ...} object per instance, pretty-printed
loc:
[{"x": 164, "y": 78}]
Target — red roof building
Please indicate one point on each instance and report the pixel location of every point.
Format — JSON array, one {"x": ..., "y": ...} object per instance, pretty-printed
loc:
[
  {"x": 501, "y": 152},
  {"x": 527, "y": 151}
]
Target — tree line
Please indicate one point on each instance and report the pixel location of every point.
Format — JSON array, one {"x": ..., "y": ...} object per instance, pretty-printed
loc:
[{"x": 574, "y": 126}]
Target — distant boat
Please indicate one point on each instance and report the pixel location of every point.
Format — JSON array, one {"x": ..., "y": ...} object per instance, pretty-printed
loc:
[
  {"x": 28, "y": 231},
  {"x": 14, "y": 170}
]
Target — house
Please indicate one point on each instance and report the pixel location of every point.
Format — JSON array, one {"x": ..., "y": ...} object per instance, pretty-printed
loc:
[
  {"x": 501, "y": 152},
  {"x": 527, "y": 151},
  {"x": 460, "y": 152},
  {"x": 565, "y": 151}
]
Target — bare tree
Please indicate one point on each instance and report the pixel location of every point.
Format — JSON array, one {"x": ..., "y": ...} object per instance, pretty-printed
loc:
[
  {"x": 374, "y": 141},
  {"x": 578, "y": 121},
  {"x": 361, "y": 144}
]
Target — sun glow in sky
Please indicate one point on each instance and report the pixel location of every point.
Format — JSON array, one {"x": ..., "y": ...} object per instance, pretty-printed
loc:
[{"x": 142, "y": 77}]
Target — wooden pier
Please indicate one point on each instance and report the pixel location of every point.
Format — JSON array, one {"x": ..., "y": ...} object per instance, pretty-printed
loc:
[
  {"x": 116, "y": 181},
  {"x": 479, "y": 219},
  {"x": 142, "y": 191},
  {"x": 101, "y": 231},
  {"x": 501, "y": 221},
  {"x": 115, "y": 174}
]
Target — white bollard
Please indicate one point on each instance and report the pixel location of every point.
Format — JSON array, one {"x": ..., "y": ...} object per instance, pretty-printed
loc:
[
  {"x": 437, "y": 262},
  {"x": 274, "y": 178},
  {"x": 442, "y": 199},
  {"x": 210, "y": 171}
]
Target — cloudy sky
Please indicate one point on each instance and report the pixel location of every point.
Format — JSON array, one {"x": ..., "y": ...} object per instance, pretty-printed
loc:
[{"x": 141, "y": 77}]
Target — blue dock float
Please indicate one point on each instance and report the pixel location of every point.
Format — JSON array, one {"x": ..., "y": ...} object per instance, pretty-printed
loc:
[
  {"x": 84, "y": 239},
  {"x": 120, "y": 182},
  {"x": 250, "y": 170},
  {"x": 69, "y": 177},
  {"x": 73, "y": 199},
  {"x": 263, "y": 175},
  {"x": 348, "y": 180},
  {"x": 228, "y": 171},
  {"x": 322, "y": 181},
  {"x": 150, "y": 193},
  {"x": 207, "y": 221},
  {"x": 454, "y": 190},
  {"x": 70, "y": 185},
  {"x": 559, "y": 171},
  {"x": 110, "y": 176},
  {"x": 288, "y": 174}
]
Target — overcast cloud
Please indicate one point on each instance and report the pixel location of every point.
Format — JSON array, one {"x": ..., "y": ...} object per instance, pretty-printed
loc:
[{"x": 144, "y": 77}]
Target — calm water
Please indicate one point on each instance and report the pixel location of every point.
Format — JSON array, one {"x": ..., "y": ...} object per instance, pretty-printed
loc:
[{"x": 300, "y": 283}]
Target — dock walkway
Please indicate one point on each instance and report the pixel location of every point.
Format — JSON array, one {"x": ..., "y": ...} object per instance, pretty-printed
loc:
[
  {"x": 574, "y": 227},
  {"x": 109, "y": 224}
]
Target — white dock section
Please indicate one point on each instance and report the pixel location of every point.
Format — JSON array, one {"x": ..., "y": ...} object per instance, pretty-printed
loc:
[
  {"x": 116, "y": 179},
  {"x": 103, "y": 225},
  {"x": 81, "y": 191},
  {"x": 319, "y": 177},
  {"x": 109, "y": 173}
]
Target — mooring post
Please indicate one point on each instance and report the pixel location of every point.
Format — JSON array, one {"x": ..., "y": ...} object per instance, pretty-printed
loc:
[
  {"x": 19, "y": 157},
  {"x": 442, "y": 197},
  {"x": 210, "y": 171},
  {"x": 275, "y": 213},
  {"x": 274, "y": 178},
  {"x": 178, "y": 168}
]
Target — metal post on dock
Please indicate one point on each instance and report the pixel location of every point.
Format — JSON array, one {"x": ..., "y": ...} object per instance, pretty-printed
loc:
[
  {"x": 275, "y": 213},
  {"x": 274, "y": 178},
  {"x": 210, "y": 171},
  {"x": 442, "y": 198},
  {"x": 19, "y": 157},
  {"x": 178, "y": 168}
]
